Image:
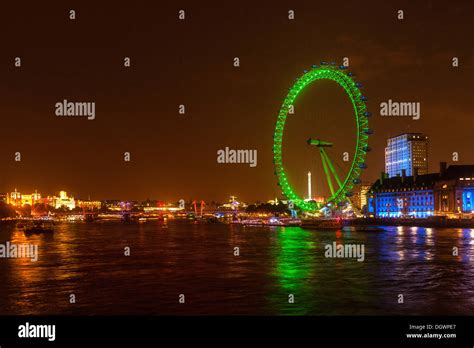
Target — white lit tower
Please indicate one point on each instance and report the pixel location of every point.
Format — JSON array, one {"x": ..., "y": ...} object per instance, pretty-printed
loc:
[{"x": 309, "y": 186}]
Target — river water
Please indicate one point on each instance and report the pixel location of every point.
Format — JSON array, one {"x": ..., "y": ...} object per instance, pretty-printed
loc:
[{"x": 274, "y": 266}]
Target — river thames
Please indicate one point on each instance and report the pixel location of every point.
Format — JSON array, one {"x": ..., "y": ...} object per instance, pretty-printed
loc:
[{"x": 198, "y": 261}]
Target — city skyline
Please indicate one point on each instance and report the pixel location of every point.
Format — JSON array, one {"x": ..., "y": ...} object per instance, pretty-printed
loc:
[
  {"x": 37, "y": 195},
  {"x": 400, "y": 173}
]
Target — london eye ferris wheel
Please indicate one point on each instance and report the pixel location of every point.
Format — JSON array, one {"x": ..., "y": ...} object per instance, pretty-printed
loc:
[{"x": 340, "y": 184}]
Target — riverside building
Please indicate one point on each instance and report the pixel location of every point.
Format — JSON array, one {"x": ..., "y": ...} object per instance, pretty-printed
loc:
[{"x": 447, "y": 193}]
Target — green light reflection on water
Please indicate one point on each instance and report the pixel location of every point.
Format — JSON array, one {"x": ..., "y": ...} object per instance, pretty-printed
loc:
[{"x": 294, "y": 269}]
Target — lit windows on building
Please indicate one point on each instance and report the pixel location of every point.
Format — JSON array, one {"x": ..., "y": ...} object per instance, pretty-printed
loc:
[
  {"x": 406, "y": 152},
  {"x": 446, "y": 193},
  {"x": 363, "y": 195},
  {"x": 403, "y": 197},
  {"x": 359, "y": 199},
  {"x": 19, "y": 200},
  {"x": 26, "y": 200},
  {"x": 64, "y": 201},
  {"x": 454, "y": 192},
  {"x": 467, "y": 199},
  {"x": 89, "y": 204},
  {"x": 14, "y": 198}
]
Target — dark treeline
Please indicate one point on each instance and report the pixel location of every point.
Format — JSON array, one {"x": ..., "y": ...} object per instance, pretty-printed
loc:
[{"x": 279, "y": 208}]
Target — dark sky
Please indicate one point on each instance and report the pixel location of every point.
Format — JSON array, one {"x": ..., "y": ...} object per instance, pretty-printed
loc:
[{"x": 191, "y": 62}]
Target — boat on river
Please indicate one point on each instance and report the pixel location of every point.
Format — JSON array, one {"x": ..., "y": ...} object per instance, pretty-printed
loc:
[
  {"x": 38, "y": 226},
  {"x": 273, "y": 221}
]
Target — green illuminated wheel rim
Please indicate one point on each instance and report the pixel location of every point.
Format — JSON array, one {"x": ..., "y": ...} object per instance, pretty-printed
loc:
[{"x": 345, "y": 80}]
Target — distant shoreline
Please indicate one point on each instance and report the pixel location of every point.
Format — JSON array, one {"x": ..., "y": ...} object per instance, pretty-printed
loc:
[{"x": 430, "y": 222}]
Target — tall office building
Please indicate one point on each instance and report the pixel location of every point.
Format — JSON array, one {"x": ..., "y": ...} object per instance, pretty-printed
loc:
[{"x": 406, "y": 152}]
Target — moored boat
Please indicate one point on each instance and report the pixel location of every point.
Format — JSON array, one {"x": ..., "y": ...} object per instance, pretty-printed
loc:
[
  {"x": 38, "y": 227},
  {"x": 252, "y": 222},
  {"x": 274, "y": 221}
]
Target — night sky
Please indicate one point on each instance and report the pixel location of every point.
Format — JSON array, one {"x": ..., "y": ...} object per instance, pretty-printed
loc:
[{"x": 190, "y": 62}]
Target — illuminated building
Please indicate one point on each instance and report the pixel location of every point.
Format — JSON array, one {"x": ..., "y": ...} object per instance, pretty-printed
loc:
[
  {"x": 64, "y": 201},
  {"x": 454, "y": 192},
  {"x": 407, "y": 152},
  {"x": 90, "y": 205},
  {"x": 114, "y": 204},
  {"x": 18, "y": 200},
  {"x": 447, "y": 193},
  {"x": 26, "y": 199},
  {"x": 35, "y": 197},
  {"x": 233, "y": 204},
  {"x": 14, "y": 198},
  {"x": 271, "y": 201},
  {"x": 403, "y": 196},
  {"x": 359, "y": 199},
  {"x": 31, "y": 199},
  {"x": 165, "y": 207},
  {"x": 364, "y": 189}
]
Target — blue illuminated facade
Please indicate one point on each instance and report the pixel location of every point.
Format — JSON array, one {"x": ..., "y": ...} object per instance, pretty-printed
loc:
[
  {"x": 406, "y": 153},
  {"x": 417, "y": 204},
  {"x": 403, "y": 197},
  {"x": 467, "y": 200},
  {"x": 448, "y": 193}
]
